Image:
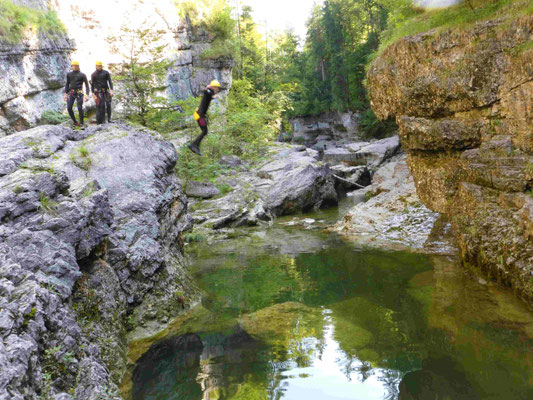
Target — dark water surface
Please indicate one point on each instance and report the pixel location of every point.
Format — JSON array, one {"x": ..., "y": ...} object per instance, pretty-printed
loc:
[{"x": 301, "y": 315}]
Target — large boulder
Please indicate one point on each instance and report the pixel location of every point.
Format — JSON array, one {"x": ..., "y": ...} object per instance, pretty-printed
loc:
[
  {"x": 203, "y": 190},
  {"x": 90, "y": 226},
  {"x": 292, "y": 181}
]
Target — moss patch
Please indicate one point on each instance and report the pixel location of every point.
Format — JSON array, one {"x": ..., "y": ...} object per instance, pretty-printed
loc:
[{"x": 16, "y": 21}]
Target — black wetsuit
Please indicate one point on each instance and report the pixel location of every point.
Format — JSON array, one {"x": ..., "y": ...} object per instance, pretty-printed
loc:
[
  {"x": 100, "y": 85},
  {"x": 202, "y": 110},
  {"x": 74, "y": 89}
]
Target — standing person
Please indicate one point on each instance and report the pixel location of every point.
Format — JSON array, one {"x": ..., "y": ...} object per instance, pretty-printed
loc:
[
  {"x": 200, "y": 115},
  {"x": 102, "y": 89},
  {"x": 74, "y": 91}
]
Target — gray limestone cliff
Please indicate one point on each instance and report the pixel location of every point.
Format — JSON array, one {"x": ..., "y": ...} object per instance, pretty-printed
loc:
[
  {"x": 90, "y": 246},
  {"x": 32, "y": 74}
]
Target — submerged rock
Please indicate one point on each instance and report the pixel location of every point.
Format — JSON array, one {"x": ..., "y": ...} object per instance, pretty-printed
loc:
[{"x": 91, "y": 223}]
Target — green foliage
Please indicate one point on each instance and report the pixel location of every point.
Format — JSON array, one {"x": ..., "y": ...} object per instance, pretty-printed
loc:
[
  {"x": 460, "y": 15},
  {"x": 250, "y": 121},
  {"x": 374, "y": 128},
  {"x": 193, "y": 168},
  {"x": 16, "y": 20},
  {"x": 89, "y": 190},
  {"x": 224, "y": 189},
  {"x": 341, "y": 36},
  {"x": 221, "y": 49},
  {"x": 54, "y": 367},
  {"x": 193, "y": 238},
  {"x": 47, "y": 205},
  {"x": 51, "y": 117},
  {"x": 81, "y": 158},
  {"x": 214, "y": 17},
  {"x": 142, "y": 76},
  {"x": 28, "y": 317}
]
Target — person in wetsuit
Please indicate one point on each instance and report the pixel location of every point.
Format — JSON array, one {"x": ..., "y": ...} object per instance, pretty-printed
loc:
[
  {"x": 74, "y": 91},
  {"x": 200, "y": 115},
  {"x": 102, "y": 88}
]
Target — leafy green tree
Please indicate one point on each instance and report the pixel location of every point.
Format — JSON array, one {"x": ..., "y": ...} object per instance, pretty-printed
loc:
[
  {"x": 251, "y": 58},
  {"x": 142, "y": 77}
]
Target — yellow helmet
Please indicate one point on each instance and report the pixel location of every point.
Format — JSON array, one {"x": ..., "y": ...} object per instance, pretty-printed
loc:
[
  {"x": 214, "y": 83},
  {"x": 76, "y": 63},
  {"x": 99, "y": 63}
]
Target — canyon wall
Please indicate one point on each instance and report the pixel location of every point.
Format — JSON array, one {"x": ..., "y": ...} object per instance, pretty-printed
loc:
[{"x": 463, "y": 100}]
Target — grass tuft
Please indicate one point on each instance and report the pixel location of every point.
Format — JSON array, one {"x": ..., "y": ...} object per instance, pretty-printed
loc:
[
  {"x": 461, "y": 15},
  {"x": 16, "y": 21}
]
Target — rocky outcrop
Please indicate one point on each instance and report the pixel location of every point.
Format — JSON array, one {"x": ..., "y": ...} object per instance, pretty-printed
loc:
[
  {"x": 191, "y": 71},
  {"x": 90, "y": 235},
  {"x": 393, "y": 215},
  {"x": 293, "y": 180},
  {"x": 32, "y": 74},
  {"x": 463, "y": 100}
]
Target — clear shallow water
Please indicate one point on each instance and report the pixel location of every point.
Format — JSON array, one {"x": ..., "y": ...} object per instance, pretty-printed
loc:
[{"x": 296, "y": 314}]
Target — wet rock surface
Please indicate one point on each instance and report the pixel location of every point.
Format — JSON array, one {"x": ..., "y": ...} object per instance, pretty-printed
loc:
[
  {"x": 91, "y": 223},
  {"x": 465, "y": 121}
]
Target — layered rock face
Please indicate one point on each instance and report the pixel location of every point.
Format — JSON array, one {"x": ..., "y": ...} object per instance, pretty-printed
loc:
[
  {"x": 463, "y": 100},
  {"x": 32, "y": 75},
  {"x": 90, "y": 230},
  {"x": 191, "y": 72}
]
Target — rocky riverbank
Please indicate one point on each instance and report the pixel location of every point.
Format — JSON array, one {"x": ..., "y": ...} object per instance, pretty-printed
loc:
[
  {"x": 91, "y": 226},
  {"x": 292, "y": 179},
  {"x": 463, "y": 100}
]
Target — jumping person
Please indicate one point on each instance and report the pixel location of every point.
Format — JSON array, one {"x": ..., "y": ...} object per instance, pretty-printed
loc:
[
  {"x": 102, "y": 89},
  {"x": 200, "y": 115},
  {"x": 74, "y": 91}
]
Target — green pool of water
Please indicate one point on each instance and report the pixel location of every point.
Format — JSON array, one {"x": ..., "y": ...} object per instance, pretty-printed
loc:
[{"x": 301, "y": 315}]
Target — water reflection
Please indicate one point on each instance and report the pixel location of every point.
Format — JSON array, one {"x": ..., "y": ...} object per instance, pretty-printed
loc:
[
  {"x": 331, "y": 374},
  {"x": 340, "y": 323}
]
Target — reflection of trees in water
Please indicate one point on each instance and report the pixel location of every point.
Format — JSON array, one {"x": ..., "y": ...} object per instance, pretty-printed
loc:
[
  {"x": 392, "y": 325},
  {"x": 196, "y": 366}
]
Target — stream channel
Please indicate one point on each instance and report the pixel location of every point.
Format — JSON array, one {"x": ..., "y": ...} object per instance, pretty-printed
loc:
[{"x": 294, "y": 312}]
